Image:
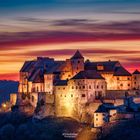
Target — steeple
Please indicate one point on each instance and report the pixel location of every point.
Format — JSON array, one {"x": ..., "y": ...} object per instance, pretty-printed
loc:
[{"x": 77, "y": 55}]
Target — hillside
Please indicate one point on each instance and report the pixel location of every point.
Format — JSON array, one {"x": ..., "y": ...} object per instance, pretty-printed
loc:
[{"x": 7, "y": 87}]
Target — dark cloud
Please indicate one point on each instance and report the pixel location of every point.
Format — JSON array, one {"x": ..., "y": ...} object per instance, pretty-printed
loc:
[
  {"x": 31, "y": 19},
  {"x": 83, "y": 30},
  {"x": 66, "y": 52},
  {"x": 71, "y": 22}
]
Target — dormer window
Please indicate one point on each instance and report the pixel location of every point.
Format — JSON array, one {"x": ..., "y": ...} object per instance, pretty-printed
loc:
[{"x": 100, "y": 67}]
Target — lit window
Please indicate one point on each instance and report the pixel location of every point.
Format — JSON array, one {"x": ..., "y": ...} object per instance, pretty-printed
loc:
[{"x": 100, "y": 67}]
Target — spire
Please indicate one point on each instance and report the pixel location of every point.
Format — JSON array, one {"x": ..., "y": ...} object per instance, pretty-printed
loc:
[{"x": 77, "y": 55}]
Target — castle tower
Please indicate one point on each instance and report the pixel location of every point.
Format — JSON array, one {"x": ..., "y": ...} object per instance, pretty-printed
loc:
[
  {"x": 136, "y": 79},
  {"x": 77, "y": 62}
]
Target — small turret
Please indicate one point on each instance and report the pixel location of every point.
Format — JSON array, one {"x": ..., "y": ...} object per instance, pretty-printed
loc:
[
  {"x": 77, "y": 61},
  {"x": 77, "y": 55},
  {"x": 136, "y": 79}
]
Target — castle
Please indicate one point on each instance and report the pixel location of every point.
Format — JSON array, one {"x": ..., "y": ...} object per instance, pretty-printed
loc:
[{"x": 66, "y": 86}]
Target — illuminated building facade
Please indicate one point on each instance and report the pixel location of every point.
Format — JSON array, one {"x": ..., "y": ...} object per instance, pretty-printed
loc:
[{"x": 74, "y": 82}]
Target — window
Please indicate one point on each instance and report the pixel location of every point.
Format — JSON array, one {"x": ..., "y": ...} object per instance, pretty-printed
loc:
[
  {"x": 83, "y": 87},
  {"x": 100, "y": 67},
  {"x": 37, "y": 89},
  {"x": 96, "y": 114},
  {"x": 32, "y": 98},
  {"x": 128, "y": 78},
  {"x": 63, "y": 88},
  {"x": 89, "y": 86},
  {"x": 118, "y": 78},
  {"x": 76, "y": 87},
  {"x": 83, "y": 95},
  {"x": 135, "y": 82},
  {"x": 121, "y": 85},
  {"x": 97, "y": 86},
  {"x": 78, "y": 61},
  {"x": 96, "y": 119},
  {"x": 128, "y": 85},
  {"x": 135, "y": 78},
  {"x": 102, "y": 86},
  {"x": 71, "y": 95},
  {"x": 72, "y": 87}
]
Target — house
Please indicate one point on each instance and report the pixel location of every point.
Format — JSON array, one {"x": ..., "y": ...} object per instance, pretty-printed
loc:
[{"x": 105, "y": 113}]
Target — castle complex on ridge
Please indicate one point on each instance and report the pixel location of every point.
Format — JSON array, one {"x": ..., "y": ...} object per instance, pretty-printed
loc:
[{"x": 70, "y": 84}]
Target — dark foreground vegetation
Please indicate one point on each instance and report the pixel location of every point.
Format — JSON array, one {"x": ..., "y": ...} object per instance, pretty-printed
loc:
[{"x": 16, "y": 126}]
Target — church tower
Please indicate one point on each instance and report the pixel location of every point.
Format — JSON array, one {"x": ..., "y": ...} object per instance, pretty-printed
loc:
[{"x": 77, "y": 62}]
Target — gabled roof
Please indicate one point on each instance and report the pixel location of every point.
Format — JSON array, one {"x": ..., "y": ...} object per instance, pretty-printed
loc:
[
  {"x": 120, "y": 71},
  {"x": 77, "y": 55},
  {"x": 54, "y": 68},
  {"x": 136, "y": 72},
  {"x": 108, "y": 66},
  {"x": 104, "y": 108},
  {"x": 61, "y": 83},
  {"x": 37, "y": 76},
  {"x": 27, "y": 66},
  {"x": 88, "y": 74}
]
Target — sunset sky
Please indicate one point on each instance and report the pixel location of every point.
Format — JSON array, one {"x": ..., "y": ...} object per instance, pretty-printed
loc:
[{"x": 101, "y": 29}]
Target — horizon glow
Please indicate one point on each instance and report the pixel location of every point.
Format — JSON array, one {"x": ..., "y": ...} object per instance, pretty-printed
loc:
[{"x": 100, "y": 29}]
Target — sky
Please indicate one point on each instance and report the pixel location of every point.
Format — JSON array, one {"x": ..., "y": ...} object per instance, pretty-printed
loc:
[{"x": 101, "y": 29}]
